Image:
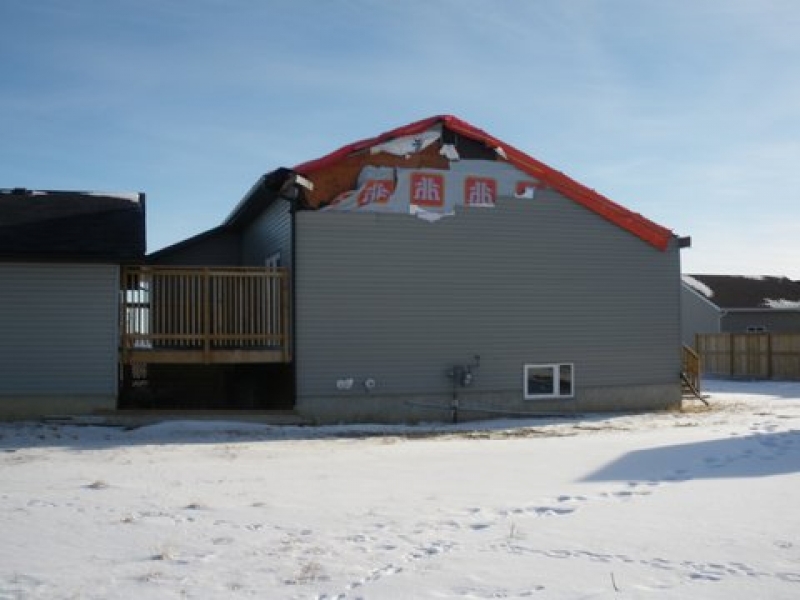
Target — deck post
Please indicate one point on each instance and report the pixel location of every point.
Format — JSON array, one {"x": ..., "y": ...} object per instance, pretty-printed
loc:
[
  {"x": 285, "y": 337},
  {"x": 206, "y": 303}
]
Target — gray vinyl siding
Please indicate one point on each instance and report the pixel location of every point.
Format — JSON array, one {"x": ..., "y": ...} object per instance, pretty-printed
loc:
[
  {"x": 698, "y": 315},
  {"x": 773, "y": 321},
  {"x": 58, "y": 330},
  {"x": 269, "y": 234},
  {"x": 400, "y": 300}
]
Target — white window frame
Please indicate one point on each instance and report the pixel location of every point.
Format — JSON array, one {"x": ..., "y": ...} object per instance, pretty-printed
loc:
[{"x": 556, "y": 372}]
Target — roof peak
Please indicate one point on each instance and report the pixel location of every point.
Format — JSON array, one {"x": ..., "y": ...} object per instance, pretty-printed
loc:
[{"x": 647, "y": 230}]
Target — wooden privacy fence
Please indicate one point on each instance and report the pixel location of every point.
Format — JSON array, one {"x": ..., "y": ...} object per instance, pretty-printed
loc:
[
  {"x": 186, "y": 315},
  {"x": 750, "y": 355}
]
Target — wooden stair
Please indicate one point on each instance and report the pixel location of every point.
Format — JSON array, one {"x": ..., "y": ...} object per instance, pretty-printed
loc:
[{"x": 690, "y": 375}]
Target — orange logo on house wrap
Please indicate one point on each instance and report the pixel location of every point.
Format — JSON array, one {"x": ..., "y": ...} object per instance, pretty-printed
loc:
[
  {"x": 376, "y": 191},
  {"x": 480, "y": 191},
  {"x": 427, "y": 189}
]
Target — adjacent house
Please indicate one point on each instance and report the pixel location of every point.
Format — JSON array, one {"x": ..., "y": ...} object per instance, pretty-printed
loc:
[
  {"x": 60, "y": 258},
  {"x": 431, "y": 272},
  {"x": 739, "y": 304}
]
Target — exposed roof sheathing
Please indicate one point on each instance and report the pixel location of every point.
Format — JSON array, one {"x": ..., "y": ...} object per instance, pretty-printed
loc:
[
  {"x": 338, "y": 170},
  {"x": 341, "y": 175}
]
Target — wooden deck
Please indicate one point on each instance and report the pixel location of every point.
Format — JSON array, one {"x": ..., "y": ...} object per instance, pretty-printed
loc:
[{"x": 187, "y": 315}]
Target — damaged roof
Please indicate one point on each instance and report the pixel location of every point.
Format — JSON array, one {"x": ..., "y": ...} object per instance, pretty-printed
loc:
[
  {"x": 338, "y": 171},
  {"x": 335, "y": 173},
  {"x": 66, "y": 225},
  {"x": 736, "y": 292}
]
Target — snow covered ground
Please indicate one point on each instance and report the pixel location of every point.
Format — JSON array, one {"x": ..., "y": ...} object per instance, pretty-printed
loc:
[{"x": 698, "y": 504}]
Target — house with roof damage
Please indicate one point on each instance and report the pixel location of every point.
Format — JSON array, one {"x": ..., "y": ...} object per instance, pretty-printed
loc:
[
  {"x": 738, "y": 304},
  {"x": 431, "y": 272},
  {"x": 60, "y": 258}
]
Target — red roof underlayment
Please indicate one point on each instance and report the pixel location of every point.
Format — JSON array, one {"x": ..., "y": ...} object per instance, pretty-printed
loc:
[{"x": 652, "y": 233}]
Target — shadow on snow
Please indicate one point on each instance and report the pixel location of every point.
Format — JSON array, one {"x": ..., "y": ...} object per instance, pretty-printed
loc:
[{"x": 758, "y": 455}]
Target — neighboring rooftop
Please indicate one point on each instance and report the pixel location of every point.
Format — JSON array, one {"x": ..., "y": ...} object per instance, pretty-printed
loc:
[
  {"x": 747, "y": 292},
  {"x": 69, "y": 225}
]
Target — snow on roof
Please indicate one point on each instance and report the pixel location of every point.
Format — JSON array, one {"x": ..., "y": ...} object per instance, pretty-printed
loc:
[
  {"x": 733, "y": 292},
  {"x": 129, "y": 196},
  {"x": 781, "y": 303},
  {"x": 698, "y": 286}
]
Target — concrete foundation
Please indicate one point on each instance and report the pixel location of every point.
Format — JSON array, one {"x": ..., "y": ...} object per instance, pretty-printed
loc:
[
  {"x": 35, "y": 407},
  {"x": 382, "y": 408}
]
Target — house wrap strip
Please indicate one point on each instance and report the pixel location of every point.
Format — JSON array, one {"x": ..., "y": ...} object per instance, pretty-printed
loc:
[{"x": 645, "y": 229}]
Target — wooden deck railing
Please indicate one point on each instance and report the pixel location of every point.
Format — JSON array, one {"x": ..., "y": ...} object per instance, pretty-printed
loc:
[{"x": 184, "y": 315}]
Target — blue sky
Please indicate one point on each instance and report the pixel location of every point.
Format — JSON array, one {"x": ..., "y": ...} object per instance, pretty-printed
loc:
[{"x": 686, "y": 111}]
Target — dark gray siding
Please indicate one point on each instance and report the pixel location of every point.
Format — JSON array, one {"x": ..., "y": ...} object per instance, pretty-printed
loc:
[
  {"x": 220, "y": 249},
  {"x": 58, "y": 334},
  {"x": 399, "y": 300},
  {"x": 268, "y": 235},
  {"x": 773, "y": 321},
  {"x": 698, "y": 315}
]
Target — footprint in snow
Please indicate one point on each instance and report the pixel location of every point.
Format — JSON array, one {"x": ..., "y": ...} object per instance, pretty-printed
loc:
[
  {"x": 539, "y": 511},
  {"x": 222, "y": 541},
  {"x": 626, "y": 494},
  {"x": 565, "y": 498},
  {"x": 550, "y": 511}
]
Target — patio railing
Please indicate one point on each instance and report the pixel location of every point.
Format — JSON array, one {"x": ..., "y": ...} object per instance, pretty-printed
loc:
[{"x": 204, "y": 315}]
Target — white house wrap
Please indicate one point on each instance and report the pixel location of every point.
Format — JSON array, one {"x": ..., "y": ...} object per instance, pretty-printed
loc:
[{"x": 434, "y": 193}]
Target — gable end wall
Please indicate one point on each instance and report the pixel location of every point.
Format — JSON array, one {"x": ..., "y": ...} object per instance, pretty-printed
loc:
[
  {"x": 399, "y": 300},
  {"x": 698, "y": 315}
]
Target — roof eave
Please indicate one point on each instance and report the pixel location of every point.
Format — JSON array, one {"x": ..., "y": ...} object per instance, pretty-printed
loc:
[
  {"x": 765, "y": 309},
  {"x": 265, "y": 190}
]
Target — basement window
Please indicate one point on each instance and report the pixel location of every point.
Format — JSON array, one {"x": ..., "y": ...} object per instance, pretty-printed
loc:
[{"x": 549, "y": 381}]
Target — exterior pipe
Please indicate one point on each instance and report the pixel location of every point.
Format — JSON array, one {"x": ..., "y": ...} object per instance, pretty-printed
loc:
[{"x": 496, "y": 411}]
